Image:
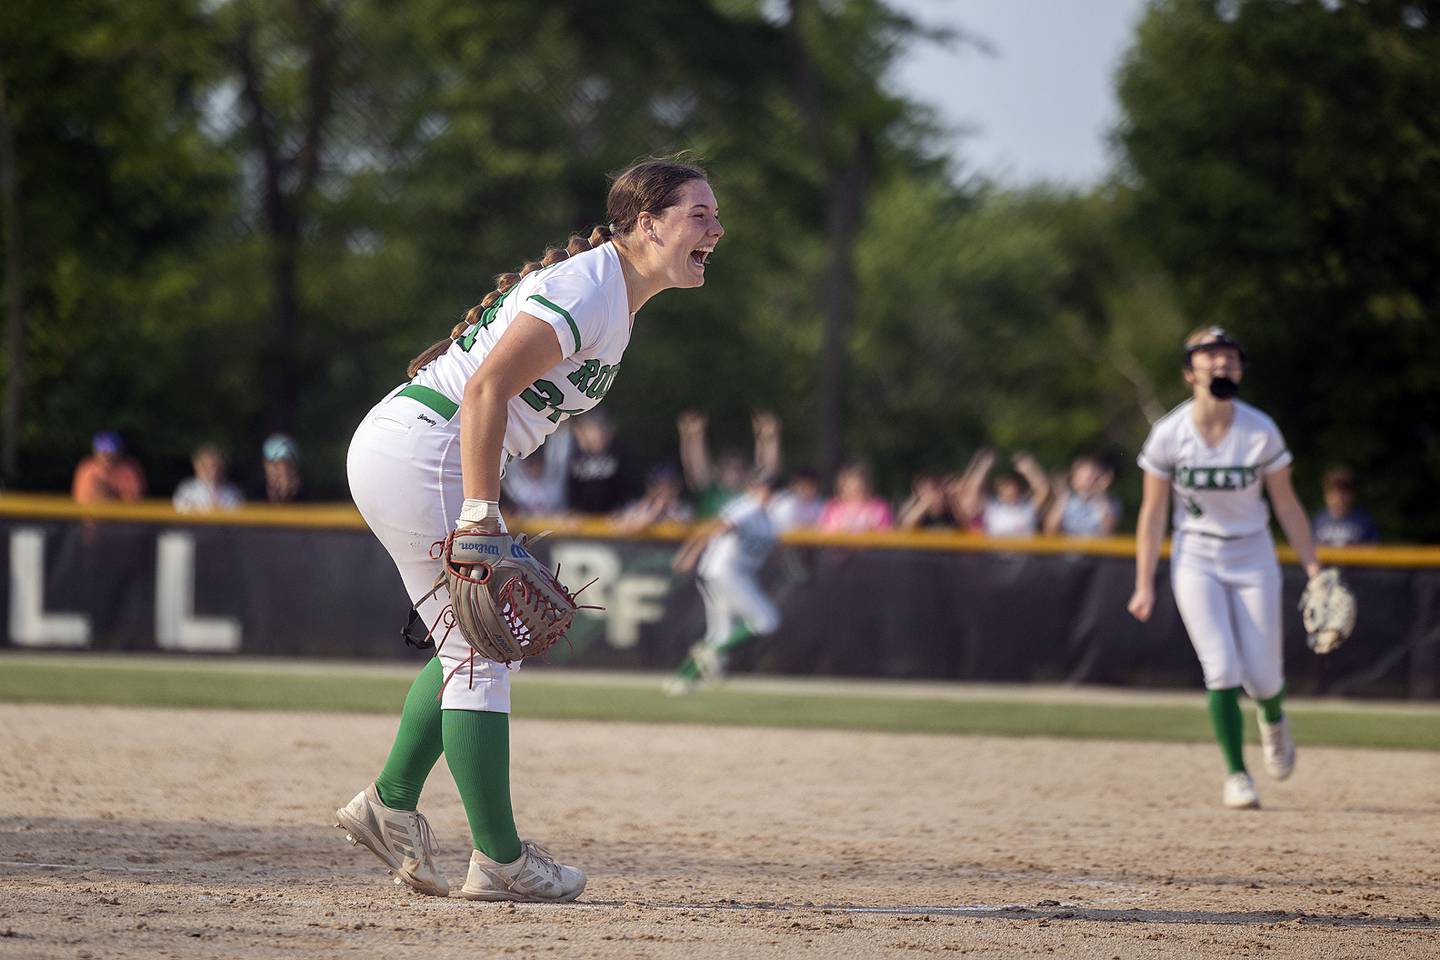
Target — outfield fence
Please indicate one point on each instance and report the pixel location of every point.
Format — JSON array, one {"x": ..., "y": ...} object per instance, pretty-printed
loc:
[{"x": 311, "y": 581}]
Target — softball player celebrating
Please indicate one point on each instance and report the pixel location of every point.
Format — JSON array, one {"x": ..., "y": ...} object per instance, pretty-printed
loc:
[
  {"x": 544, "y": 346},
  {"x": 1215, "y": 452},
  {"x": 730, "y": 552}
]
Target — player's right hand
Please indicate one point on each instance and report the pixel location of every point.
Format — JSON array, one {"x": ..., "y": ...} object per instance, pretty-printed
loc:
[{"x": 1142, "y": 602}]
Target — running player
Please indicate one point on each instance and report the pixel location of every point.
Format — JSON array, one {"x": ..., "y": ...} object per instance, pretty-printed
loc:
[
  {"x": 545, "y": 346},
  {"x": 1216, "y": 452},
  {"x": 730, "y": 551}
]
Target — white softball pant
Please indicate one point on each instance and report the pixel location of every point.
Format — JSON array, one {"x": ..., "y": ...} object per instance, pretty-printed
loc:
[
  {"x": 404, "y": 470},
  {"x": 1228, "y": 592},
  {"x": 731, "y": 597}
]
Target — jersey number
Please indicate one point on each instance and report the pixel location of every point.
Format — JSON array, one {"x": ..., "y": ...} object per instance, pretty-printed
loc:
[
  {"x": 486, "y": 318},
  {"x": 543, "y": 395}
]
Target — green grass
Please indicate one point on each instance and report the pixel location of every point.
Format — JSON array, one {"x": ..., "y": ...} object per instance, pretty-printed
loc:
[{"x": 381, "y": 690}]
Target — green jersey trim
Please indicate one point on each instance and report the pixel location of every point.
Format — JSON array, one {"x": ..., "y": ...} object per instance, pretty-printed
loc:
[{"x": 560, "y": 310}]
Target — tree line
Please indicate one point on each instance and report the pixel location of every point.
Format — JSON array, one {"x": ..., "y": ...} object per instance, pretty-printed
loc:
[{"x": 223, "y": 219}]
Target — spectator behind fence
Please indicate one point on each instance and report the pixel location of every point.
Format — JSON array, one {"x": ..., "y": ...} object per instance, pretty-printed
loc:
[
  {"x": 928, "y": 504},
  {"x": 714, "y": 485},
  {"x": 601, "y": 478},
  {"x": 661, "y": 502},
  {"x": 1084, "y": 505},
  {"x": 535, "y": 485},
  {"x": 855, "y": 508},
  {"x": 107, "y": 475},
  {"x": 1342, "y": 523},
  {"x": 799, "y": 504},
  {"x": 207, "y": 489},
  {"x": 1010, "y": 512},
  {"x": 282, "y": 469}
]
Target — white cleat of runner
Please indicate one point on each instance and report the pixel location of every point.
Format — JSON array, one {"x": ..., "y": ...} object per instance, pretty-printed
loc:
[
  {"x": 1240, "y": 792},
  {"x": 1278, "y": 747}
]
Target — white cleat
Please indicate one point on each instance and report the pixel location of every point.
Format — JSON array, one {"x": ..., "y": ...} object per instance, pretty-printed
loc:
[
  {"x": 1278, "y": 747},
  {"x": 534, "y": 877},
  {"x": 709, "y": 661},
  {"x": 1240, "y": 792},
  {"x": 679, "y": 686},
  {"x": 400, "y": 838}
]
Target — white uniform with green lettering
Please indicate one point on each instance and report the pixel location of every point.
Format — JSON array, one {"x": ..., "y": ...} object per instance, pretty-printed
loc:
[
  {"x": 728, "y": 569},
  {"x": 404, "y": 462},
  {"x": 1223, "y": 567}
]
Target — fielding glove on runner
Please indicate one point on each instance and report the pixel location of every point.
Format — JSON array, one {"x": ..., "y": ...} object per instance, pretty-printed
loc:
[{"x": 1327, "y": 608}]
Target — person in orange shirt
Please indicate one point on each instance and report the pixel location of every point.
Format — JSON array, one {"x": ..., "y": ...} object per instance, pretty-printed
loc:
[{"x": 107, "y": 475}]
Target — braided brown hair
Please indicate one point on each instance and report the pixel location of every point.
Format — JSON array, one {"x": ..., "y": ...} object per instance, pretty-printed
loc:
[{"x": 647, "y": 186}]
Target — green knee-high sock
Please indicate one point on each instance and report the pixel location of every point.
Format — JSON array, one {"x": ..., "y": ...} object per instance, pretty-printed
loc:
[
  {"x": 690, "y": 670},
  {"x": 417, "y": 743},
  {"x": 738, "y": 638},
  {"x": 1273, "y": 708},
  {"x": 477, "y": 747},
  {"x": 1229, "y": 726}
]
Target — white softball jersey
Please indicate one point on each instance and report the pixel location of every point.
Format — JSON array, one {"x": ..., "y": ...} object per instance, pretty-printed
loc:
[
  {"x": 1223, "y": 569},
  {"x": 743, "y": 547},
  {"x": 404, "y": 460},
  {"x": 1217, "y": 490},
  {"x": 727, "y": 572},
  {"x": 583, "y": 299}
]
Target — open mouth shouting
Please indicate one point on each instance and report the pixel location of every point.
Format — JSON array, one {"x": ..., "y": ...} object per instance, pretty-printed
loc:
[{"x": 701, "y": 256}]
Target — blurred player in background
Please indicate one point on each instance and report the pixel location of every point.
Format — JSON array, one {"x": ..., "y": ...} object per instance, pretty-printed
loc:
[
  {"x": 727, "y": 555},
  {"x": 1216, "y": 453},
  {"x": 542, "y": 347}
]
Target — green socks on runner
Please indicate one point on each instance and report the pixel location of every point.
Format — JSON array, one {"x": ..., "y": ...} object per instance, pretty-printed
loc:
[
  {"x": 417, "y": 744},
  {"x": 477, "y": 747},
  {"x": 1229, "y": 726},
  {"x": 1273, "y": 708},
  {"x": 690, "y": 670}
]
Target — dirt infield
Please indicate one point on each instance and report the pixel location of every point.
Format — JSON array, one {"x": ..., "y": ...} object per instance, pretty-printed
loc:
[{"x": 178, "y": 833}]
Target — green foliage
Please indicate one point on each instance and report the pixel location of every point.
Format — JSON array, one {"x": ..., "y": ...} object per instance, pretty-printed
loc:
[
  {"x": 1286, "y": 164},
  {"x": 186, "y": 166},
  {"x": 1029, "y": 321}
]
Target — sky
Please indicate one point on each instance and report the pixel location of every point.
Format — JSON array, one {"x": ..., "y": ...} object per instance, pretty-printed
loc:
[{"x": 1040, "y": 105}]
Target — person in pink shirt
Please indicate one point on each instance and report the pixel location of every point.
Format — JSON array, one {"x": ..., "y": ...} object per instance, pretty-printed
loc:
[{"x": 855, "y": 508}]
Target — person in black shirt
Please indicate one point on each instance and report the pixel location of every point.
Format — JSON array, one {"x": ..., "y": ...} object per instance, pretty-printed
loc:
[{"x": 600, "y": 478}]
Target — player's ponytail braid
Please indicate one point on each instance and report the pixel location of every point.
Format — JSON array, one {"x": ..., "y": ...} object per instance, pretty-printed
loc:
[
  {"x": 648, "y": 186},
  {"x": 503, "y": 283}
]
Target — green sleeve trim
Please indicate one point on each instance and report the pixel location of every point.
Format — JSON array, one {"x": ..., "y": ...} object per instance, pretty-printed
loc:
[
  {"x": 563, "y": 312},
  {"x": 1285, "y": 451}
]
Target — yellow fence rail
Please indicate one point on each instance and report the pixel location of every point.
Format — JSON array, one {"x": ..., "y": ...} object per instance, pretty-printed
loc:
[{"x": 342, "y": 516}]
